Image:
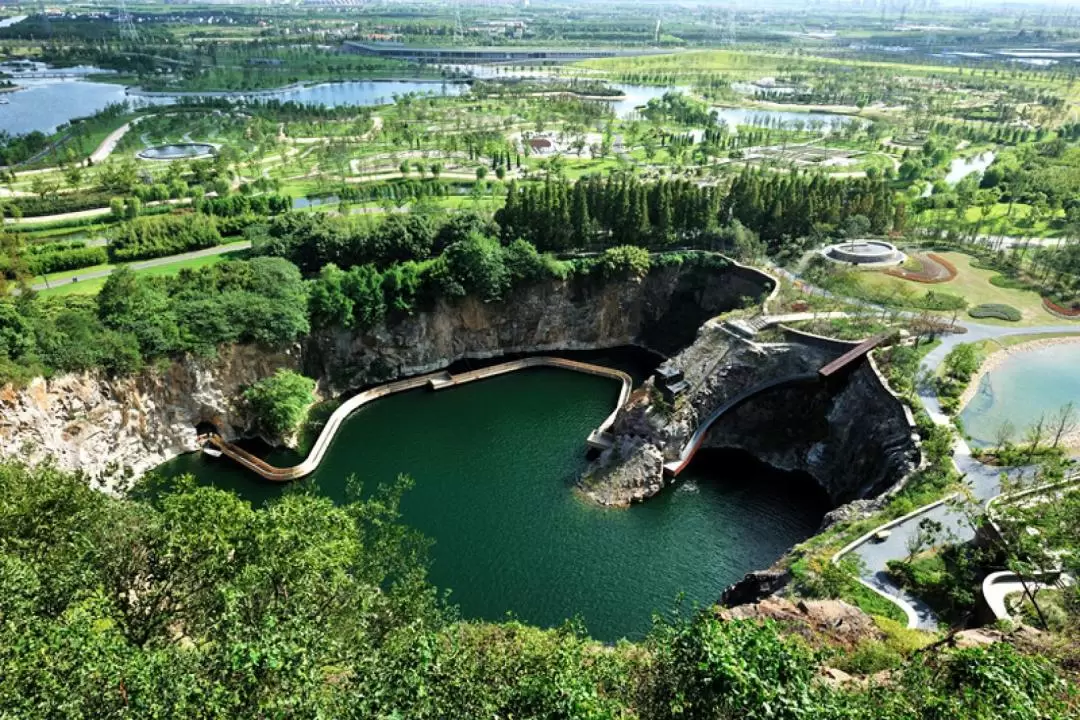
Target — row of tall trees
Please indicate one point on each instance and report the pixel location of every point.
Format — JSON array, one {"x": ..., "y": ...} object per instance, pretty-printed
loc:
[{"x": 557, "y": 215}]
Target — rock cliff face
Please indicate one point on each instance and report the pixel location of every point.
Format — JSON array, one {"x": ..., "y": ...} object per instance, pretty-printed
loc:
[
  {"x": 661, "y": 312},
  {"x": 855, "y": 441},
  {"x": 106, "y": 427},
  {"x": 852, "y": 435},
  {"x": 92, "y": 423}
]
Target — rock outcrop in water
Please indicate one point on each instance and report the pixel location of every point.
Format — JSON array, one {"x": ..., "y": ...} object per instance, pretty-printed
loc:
[
  {"x": 96, "y": 424},
  {"x": 820, "y": 428}
]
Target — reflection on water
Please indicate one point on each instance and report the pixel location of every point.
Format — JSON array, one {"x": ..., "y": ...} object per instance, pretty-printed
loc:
[{"x": 495, "y": 464}]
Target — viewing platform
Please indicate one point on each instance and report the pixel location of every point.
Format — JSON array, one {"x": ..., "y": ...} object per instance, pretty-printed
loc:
[{"x": 599, "y": 438}]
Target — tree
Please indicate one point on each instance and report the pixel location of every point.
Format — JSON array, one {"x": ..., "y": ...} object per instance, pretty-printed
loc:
[
  {"x": 278, "y": 402},
  {"x": 928, "y": 534},
  {"x": 1035, "y": 433},
  {"x": 404, "y": 168},
  {"x": 475, "y": 266},
  {"x": 1003, "y": 434},
  {"x": 1064, "y": 422}
]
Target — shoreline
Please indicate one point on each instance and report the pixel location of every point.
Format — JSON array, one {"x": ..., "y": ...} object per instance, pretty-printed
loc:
[{"x": 1071, "y": 441}]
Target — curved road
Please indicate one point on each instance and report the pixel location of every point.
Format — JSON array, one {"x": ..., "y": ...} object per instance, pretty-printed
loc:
[{"x": 983, "y": 482}]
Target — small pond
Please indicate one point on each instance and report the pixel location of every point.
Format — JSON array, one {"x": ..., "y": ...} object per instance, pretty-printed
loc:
[
  {"x": 735, "y": 116},
  {"x": 960, "y": 168},
  {"x": 1024, "y": 386}
]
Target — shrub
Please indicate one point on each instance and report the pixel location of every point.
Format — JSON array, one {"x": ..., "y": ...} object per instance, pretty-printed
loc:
[
  {"x": 870, "y": 657},
  {"x": 151, "y": 237},
  {"x": 996, "y": 310},
  {"x": 279, "y": 401},
  {"x": 623, "y": 261},
  {"x": 66, "y": 259}
]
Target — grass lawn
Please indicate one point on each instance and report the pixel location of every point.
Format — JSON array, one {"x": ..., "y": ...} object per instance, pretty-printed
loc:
[
  {"x": 93, "y": 285},
  {"x": 997, "y": 222},
  {"x": 973, "y": 284}
]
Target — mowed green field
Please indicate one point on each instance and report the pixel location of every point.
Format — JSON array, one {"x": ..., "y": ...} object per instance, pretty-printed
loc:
[{"x": 973, "y": 284}]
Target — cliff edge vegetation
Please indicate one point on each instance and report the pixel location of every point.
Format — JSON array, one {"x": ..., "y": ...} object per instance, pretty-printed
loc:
[{"x": 193, "y": 604}]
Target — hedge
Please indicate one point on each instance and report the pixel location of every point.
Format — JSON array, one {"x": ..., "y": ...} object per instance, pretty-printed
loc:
[
  {"x": 68, "y": 259},
  {"x": 996, "y": 310},
  {"x": 151, "y": 237}
]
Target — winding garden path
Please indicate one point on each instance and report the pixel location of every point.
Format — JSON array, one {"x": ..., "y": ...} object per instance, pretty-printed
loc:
[{"x": 983, "y": 481}]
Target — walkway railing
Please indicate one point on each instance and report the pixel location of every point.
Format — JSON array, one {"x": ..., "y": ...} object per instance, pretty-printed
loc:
[
  {"x": 692, "y": 445},
  {"x": 436, "y": 381}
]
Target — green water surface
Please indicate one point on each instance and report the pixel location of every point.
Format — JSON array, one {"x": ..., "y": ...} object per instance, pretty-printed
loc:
[{"x": 495, "y": 464}]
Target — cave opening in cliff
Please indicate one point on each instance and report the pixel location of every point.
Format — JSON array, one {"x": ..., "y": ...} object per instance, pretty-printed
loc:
[{"x": 206, "y": 427}]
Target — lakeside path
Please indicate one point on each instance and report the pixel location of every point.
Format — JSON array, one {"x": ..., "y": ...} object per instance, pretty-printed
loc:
[{"x": 983, "y": 482}]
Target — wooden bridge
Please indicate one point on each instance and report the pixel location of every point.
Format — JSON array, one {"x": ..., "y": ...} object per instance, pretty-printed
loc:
[
  {"x": 851, "y": 357},
  {"x": 436, "y": 381}
]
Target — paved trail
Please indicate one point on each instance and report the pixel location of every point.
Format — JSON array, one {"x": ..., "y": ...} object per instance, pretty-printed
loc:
[
  {"x": 156, "y": 262},
  {"x": 983, "y": 481}
]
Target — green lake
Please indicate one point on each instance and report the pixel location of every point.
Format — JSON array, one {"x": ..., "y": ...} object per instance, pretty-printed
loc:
[{"x": 495, "y": 464}]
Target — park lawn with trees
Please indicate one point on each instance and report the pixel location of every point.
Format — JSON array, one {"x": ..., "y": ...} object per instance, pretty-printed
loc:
[
  {"x": 66, "y": 283},
  {"x": 972, "y": 284}
]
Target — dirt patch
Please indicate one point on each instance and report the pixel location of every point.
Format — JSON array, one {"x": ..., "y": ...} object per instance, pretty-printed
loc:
[{"x": 832, "y": 621}]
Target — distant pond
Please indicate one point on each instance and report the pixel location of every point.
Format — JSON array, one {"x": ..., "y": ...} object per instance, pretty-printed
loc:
[{"x": 1024, "y": 386}]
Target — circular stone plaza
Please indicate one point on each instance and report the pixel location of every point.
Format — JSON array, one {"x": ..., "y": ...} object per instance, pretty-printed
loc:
[{"x": 864, "y": 252}]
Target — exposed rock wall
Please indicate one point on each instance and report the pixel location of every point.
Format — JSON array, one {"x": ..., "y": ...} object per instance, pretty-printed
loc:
[
  {"x": 93, "y": 423},
  {"x": 108, "y": 426},
  {"x": 852, "y": 435},
  {"x": 854, "y": 440},
  {"x": 662, "y": 312}
]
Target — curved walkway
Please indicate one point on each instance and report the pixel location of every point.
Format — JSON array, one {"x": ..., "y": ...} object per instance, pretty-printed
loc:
[
  {"x": 675, "y": 467},
  {"x": 983, "y": 481},
  {"x": 435, "y": 381},
  {"x": 996, "y": 587}
]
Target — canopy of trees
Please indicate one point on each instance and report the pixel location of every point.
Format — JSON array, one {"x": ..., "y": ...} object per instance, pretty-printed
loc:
[
  {"x": 192, "y": 604},
  {"x": 279, "y": 401},
  {"x": 137, "y": 318}
]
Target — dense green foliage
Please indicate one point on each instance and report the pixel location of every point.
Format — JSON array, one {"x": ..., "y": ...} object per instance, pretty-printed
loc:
[
  {"x": 49, "y": 258},
  {"x": 136, "y": 318},
  {"x": 279, "y": 402},
  {"x": 53, "y": 203},
  {"x": 995, "y": 310},
  {"x": 191, "y": 604},
  {"x": 960, "y": 364},
  {"x": 781, "y": 208},
  {"x": 151, "y": 237}
]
